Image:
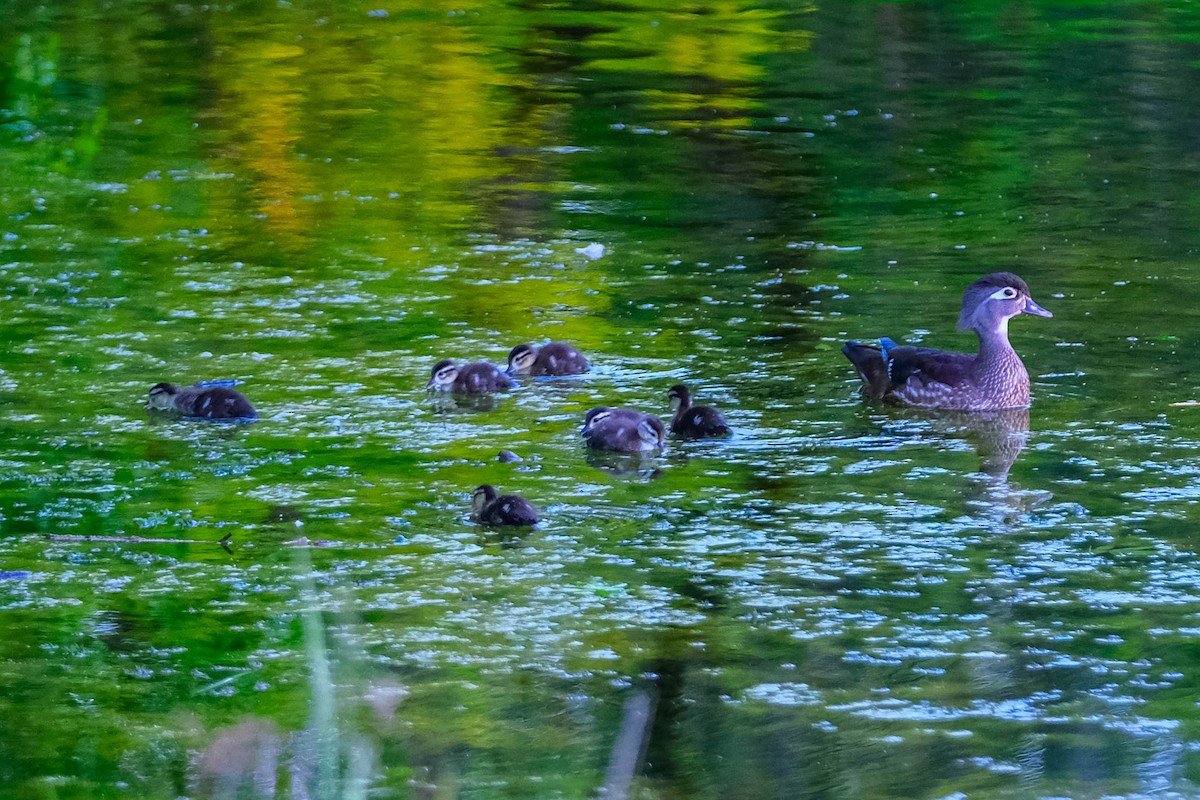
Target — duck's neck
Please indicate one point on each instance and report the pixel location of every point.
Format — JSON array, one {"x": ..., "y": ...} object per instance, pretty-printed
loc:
[
  {"x": 684, "y": 404},
  {"x": 995, "y": 351},
  {"x": 185, "y": 401}
]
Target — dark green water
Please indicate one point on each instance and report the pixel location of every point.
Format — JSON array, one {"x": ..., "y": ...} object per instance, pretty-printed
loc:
[{"x": 321, "y": 200}]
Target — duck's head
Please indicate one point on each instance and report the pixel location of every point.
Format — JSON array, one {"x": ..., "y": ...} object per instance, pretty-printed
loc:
[
  {"x": 443, "y": 375},
  {"x": 481, "y": 497},
  {"x": 594, "y": 417},
  {"x": 521, "y": 358},
  {"x": 162, "y": 396},
  {"x": 679, "y": 396},
  {"x": 990, "y": 302},
  {"x": 652, "y": 431}
]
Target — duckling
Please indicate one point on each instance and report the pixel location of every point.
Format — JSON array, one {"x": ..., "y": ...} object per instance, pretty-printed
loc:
[
  {"x": 598, "y": 414},
  {"x": 488, "y": 508},
  {"x": 201, "y": 401},
  {"x": 477, "y": 378},
  {"x": 622, "y": 429},
  {"x": 555, "y": 358},
  {"x": 694, "y": 422}
]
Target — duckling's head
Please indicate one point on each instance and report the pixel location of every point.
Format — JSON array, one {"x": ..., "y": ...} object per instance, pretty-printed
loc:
[
  {"x": 679, "y": 396},
  {"x": 521, "y": 358},
  {"x": 443, "y": 376},
  {"x": 990, "y": 302},
  {"x": 162, "y": 396},
  {"x": 594, "y": 417},
  {"x": 482, "y": 496},
  {"x": 651, "y": 430}
]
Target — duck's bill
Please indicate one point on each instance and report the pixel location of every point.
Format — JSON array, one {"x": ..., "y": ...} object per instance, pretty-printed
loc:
[{"x": 1033, "y": 308}]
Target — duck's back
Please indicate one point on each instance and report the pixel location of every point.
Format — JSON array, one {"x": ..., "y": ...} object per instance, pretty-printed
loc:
[
  {"x": 481, "y": 378},
  {"x": 917, "y": 376},
  {"x": 929, "y": 378},
  {"x": 700, "y": 422},
  {"x": 622, "y": 432},
  {"x": 509, "y": 509},
  {"x": 214, "y": 402},
  {"x": 558, "y": 359}
]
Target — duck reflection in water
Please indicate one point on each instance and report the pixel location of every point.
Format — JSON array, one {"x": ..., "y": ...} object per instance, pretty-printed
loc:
[
  {"x": 647, "y": 466},
  {"x": 998, "y": 437},
  {"x": 446, "y": 403}
]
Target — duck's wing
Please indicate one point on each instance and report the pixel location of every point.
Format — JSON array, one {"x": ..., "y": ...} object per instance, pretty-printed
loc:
[
  {"x": 872, "y": 368},
  {"x": 483, "y": 377},
  {"x": 559, "y": 359},
  {"x": 700, "y": 421},
  {"x": 927, "y": 365},
  {"x": 889, "y": 368},
  {"x": 214, "y": 402},
  {"x": 512, "y": 509}
]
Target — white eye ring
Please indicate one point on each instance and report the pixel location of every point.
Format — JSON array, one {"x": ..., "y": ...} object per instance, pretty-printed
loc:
[{"x": 1007, "y": 293}]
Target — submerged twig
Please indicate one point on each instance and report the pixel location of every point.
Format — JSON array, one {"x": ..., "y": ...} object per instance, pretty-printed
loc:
[
  {"x": 224, "y": 541},
  {"x": 630, "y": 746}
]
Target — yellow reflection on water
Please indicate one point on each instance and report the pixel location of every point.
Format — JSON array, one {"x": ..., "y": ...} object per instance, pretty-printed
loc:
[{"x": 263, "y": 98}]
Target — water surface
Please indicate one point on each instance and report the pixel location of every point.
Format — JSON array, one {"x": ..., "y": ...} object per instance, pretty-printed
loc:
[{"x": 842, "y": 600}]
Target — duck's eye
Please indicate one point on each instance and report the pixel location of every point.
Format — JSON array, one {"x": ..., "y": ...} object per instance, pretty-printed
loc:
[{"x": 1010, "y": 292}]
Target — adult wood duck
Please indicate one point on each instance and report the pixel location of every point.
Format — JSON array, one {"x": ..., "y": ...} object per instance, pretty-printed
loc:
[
  {"x": 924, "y": 377},
  {"x": 201, "y": 401},
  {"x": 555, "y": 358},
  {"x": 694, "y": 422},
  {"x": 490, "y": 508},
  {"x": 479, "y": 378},
  {"x": 623, "y": 430}
]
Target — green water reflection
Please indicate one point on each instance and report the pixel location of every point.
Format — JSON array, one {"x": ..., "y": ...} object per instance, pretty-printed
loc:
[{"x": 321, "y": 200}]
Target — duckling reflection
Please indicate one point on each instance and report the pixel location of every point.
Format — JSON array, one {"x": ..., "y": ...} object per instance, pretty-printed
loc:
[
  {"x": 242, "y": 761},
  {"x": 448, "y": 403},
  {"x": 646, "y": 466}
]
